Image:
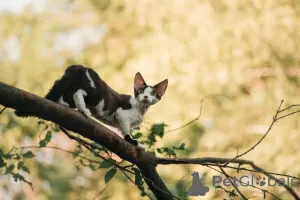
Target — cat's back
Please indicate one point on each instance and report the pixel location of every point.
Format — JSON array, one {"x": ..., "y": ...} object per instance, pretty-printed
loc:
[{"x": 105, "y": 99}]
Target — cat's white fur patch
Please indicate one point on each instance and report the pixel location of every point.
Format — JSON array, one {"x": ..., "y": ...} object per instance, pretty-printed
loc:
[
  {"x": 80, "y": 103},
  {"x": 100, "y": 111},
  {"x": 90, "y": 79},
  {"x": 62, "y": 102}
]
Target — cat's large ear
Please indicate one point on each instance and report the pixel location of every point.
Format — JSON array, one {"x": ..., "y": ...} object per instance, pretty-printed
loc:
[
  {"x": 161, "y": 87},
  {"x": 139, "y": 81}
]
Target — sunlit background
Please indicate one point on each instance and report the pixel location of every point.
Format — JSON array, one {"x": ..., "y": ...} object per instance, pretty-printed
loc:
[{"x": 243, "y": 52}]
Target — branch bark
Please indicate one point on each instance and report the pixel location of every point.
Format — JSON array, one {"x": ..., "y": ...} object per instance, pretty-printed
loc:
[{"x": 70, "y": 119}]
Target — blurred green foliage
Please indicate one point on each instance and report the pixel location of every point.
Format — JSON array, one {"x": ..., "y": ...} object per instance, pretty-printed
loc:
[{"x": 246, "y": 51}]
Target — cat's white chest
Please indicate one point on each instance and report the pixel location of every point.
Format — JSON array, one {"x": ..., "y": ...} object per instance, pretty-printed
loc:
[
  {"x": 133, "y": 116},
  {"x": 136, "y": 119}
]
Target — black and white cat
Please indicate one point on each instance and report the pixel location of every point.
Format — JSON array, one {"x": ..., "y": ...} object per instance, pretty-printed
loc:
[{"x": 82, "y": 88}]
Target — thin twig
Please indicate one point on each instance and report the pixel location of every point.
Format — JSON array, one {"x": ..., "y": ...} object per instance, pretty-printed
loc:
[
  {"x": 198, "y": 116},
  {"x": 159, "y": 188},
  {"x": 284, "y": 116},
  {"x": 2, "y": 110},
  {"x": 294, "y": 105},
  {"x": 236, "y": 188},
  {"x": 83, "y": 142},
  {"x": 99, "y": 194},
  {"x": 58, "y": 148},
  {"x": 135, "y": 184}
]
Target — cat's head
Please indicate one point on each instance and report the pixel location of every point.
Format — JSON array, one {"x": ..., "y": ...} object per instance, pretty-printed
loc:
[{"x": 148, "y": 95}]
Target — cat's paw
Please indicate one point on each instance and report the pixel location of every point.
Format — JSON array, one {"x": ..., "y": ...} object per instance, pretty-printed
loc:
[{"x": 129, "y": 139}]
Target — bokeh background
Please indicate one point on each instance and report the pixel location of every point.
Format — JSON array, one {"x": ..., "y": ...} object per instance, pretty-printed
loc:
[{"x": 244, "y": 51}]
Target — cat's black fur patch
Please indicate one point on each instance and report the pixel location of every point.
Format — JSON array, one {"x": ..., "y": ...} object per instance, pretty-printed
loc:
[{"x": 76, "y": 75}]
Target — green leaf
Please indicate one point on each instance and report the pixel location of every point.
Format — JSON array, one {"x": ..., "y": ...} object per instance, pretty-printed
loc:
[
  {"x": 20, "y": 164},
  {"x": 76, "y": 153},
  {"x": 18, "y": 177},
  {"x": 158, "y": 129},
  {"x": 25, "y": 169},
  {"x": 107, "y": 164},
  {"x": 138, "y": 179},
  {"x": 29, "y": 183},
  {"x": 92, "y": 167},
  {"x": 42, "y": 143},
  {"x": 109, "y": 175},
  {"x": 84, "y": 164},
  {"x": 21, "y": 178},
  {"x": 46, "y": 140},
  {"x": 137, "y": 135},
  {"x": 167, "y": 151},
  {"x": 56, "y": 128},
  {"x": 28, "y": 154},
  {"x": 18, "y": 157},
  {"x": 2, "y": 163},
  {"x": 181, "y": 147},
  {"x": 7, "y": 156},
  {"x": 9, "y": 169}
]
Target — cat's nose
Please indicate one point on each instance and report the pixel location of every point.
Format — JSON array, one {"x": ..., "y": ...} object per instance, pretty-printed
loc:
[{"x": 146, "y": 97}]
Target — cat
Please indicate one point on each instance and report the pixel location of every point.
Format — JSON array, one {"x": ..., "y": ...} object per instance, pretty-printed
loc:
[{"x": 82, "y": 88}]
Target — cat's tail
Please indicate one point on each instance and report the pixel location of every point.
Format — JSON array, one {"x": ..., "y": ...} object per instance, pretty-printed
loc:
[{"x": 60, "y": 86}]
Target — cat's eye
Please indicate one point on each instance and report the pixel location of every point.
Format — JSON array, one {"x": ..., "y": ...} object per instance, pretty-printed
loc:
[
  {"x": 140, "y": 91},
  {"x": 153, "y": 93}
]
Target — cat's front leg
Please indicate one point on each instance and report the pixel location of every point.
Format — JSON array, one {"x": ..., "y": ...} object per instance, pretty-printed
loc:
[
  {"x": 124, "y": 126},
  {"x": 80, "y": 103}
]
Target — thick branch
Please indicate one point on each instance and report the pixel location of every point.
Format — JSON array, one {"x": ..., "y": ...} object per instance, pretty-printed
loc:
[{"x": 70, "y": 119}]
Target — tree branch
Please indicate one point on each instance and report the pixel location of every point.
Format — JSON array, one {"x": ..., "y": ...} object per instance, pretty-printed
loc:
[{"x": 70, "y": 119}]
